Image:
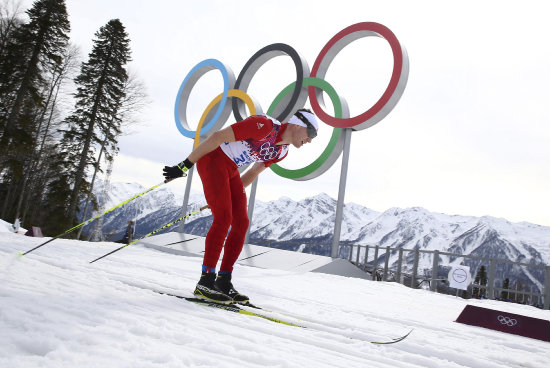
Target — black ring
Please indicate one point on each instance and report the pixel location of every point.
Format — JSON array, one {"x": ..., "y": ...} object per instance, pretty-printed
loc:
[{"x": 299, "y": 95}]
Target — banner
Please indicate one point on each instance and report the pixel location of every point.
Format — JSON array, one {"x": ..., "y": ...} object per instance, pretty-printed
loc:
[
  {"x": 516, "y": 324},
  {"x": 459, "y": 277}
]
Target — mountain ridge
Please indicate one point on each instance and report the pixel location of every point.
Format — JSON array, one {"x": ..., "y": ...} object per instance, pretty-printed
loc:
[{"x": 290, "y": 224}]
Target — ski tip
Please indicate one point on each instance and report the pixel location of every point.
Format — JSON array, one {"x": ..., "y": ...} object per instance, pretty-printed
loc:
[
  {"x": 395, "y": 340},
  {"x": 20, "y": 254},
  {"x": 401, "y": 338}
]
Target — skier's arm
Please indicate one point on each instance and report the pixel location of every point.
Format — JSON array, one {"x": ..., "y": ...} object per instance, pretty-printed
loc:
[
  {"x": 251, "y": 174},
  {"x": 211, "y": 143},
  {"x": 206, "y": 146},
  {"x": 255, "y": 127}
]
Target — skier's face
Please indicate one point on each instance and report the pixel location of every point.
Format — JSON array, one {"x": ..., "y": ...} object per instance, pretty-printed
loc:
[{"x": 300, "y": 137}]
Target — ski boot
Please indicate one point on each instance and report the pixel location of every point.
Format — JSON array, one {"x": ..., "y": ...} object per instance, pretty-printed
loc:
[
  {"x": 223, "y": 283},
  {"x": 206, "y": 289}
]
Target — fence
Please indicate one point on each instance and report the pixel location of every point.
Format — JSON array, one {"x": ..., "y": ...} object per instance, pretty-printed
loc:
[{"x": 359, "y": 255}]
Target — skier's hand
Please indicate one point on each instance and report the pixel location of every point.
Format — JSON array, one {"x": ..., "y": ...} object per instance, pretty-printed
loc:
[
  {"x": 173, "y": 172},
  {"x": 177, "y": 171}
]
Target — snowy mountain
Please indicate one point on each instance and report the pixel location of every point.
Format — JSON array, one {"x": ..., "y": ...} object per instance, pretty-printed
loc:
[
  {"x": 288, "y": 224},
  {"x": 149, "y": 212}
]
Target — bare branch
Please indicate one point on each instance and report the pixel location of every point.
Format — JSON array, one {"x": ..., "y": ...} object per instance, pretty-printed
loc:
[{"x": 134, "y": 101}]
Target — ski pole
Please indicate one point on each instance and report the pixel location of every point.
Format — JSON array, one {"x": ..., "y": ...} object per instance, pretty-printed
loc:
[
  {"x": 153, "y": 232},
  {"x": 96, "y": 217}
]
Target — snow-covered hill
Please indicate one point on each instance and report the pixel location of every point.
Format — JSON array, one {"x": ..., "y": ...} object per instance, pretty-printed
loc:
[{"x": 56, "y": 310}]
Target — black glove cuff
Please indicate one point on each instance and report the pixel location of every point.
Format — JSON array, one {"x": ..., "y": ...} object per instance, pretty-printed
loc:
[{"x": 186, "y": 163}]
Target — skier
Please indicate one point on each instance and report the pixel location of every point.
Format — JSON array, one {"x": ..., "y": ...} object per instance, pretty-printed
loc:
[
  {"x": 16, "y": 225},
  {"x": 260, "y": 139},
  {"x": 129, "y": 235}
]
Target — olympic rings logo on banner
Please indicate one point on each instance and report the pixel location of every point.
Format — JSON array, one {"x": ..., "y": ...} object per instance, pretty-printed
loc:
[
  {"x": 295, "y": 95},
  {"x": 510, "y": 322}
]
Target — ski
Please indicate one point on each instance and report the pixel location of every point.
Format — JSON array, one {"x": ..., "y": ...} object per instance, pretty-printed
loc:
[
  {"x": 394, "y": 340},
  {"x": 230, "y": 308},
  {"x": 240, "y": 309}
]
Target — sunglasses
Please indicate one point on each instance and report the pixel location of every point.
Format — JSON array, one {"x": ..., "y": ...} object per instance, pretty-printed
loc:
[{"x": 311, "y": 131}]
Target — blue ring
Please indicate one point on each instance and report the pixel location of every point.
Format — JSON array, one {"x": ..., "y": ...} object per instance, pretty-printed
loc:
[{"x": 202, "y": 67}]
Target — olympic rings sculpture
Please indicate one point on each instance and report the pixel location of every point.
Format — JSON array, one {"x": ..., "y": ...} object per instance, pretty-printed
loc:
[{"x": 294, "y": 96}]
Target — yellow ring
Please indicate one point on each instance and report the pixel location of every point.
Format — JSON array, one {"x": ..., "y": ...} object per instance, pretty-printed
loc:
[{"x": 231, "y": 93}]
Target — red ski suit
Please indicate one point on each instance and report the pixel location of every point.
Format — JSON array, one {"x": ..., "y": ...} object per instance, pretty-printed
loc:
[{"x": 256, "y": 141}]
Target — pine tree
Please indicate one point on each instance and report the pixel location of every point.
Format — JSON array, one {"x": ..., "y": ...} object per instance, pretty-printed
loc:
[
  {"x": 31, "y": 52},
  {"x": 53, "y": 192},
  {"x": 34, "y": 47},
  {"x": 505, "y": 285},
  {"x": 95, "y": 120},
  {"x": 480, "y": 279},
  {"x": 10, "y": 21}
]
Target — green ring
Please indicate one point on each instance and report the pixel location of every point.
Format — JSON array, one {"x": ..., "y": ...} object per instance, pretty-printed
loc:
[{"x": 315, "y": 168}]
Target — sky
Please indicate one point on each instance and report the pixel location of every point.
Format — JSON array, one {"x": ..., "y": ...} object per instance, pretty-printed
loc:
[{"x": 469, "y": 135}]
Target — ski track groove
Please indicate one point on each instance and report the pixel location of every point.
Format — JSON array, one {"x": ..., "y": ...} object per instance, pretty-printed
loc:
[{"x": 319, "y": 328}]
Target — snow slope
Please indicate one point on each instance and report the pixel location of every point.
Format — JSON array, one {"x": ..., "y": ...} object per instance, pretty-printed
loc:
[
  {"x": 5, "y": 227},
  {"x": 56, "y": 310}
]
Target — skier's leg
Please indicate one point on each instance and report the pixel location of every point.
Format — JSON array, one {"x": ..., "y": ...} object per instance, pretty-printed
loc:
[
  {"x": 215, "y": 179},
  {"x": 214, "y": 170},
  {"x": 239, "y": 224},
  {"x": 235, "y": 240}
]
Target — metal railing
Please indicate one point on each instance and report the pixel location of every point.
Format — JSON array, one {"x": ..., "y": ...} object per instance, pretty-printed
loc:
[{"x": 359, "y": 255}]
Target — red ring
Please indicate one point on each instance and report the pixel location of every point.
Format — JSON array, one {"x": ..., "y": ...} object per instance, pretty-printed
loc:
[{"x": 388, "y": 35}]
